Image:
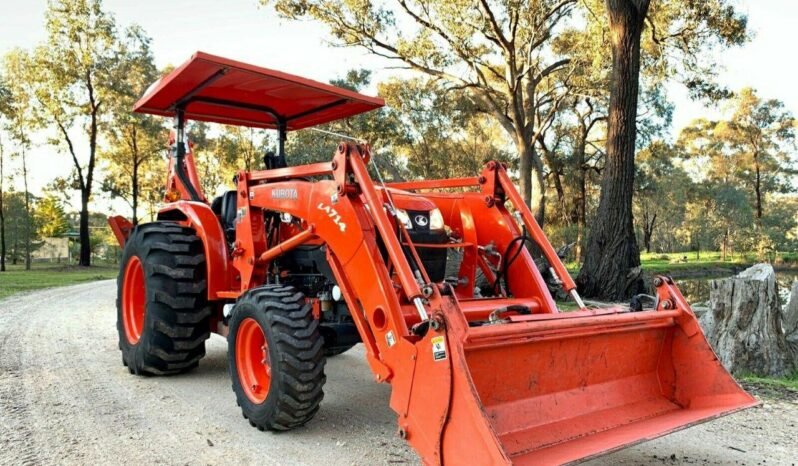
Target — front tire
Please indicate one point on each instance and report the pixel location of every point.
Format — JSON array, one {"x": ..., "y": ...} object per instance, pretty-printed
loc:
[
  {"x": 276, "y": 358},
  {"x": 163, "y": 317}
]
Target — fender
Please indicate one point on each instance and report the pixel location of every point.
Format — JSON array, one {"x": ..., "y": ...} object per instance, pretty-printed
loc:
[{"x": 203, "y": 221}]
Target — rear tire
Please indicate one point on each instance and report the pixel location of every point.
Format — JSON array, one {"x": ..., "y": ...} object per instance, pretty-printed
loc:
[
  {"x": 276, "y": 358},
  {"x": 163, "y": 317}
]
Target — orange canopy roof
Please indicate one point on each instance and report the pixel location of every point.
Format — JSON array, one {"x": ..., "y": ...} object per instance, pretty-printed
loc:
[{"x": 221, "y": 90}]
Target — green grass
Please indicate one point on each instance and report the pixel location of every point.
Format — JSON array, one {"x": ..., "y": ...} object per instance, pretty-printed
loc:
[
  {"x": 709, "y": 260},
  {"x": 46, "y": 275},
  {"x": 788, "y": 382},
  {"x": 706, "y": 261}
]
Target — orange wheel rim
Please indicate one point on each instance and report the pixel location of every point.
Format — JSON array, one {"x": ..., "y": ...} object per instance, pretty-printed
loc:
[
  {"x": 133, "y": 300},
  {"x": 252, "y": 360}
]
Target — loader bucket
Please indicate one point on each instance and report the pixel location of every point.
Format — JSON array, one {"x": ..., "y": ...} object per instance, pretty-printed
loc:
[{"x": 557, "y": 388}]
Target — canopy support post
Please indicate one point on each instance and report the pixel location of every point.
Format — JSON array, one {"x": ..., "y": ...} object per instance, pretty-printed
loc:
[
  {"x": 282, "y": 136},
  {"x": 180, "y": 153}
]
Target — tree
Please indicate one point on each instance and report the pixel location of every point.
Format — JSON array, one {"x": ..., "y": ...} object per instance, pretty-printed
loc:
[
  {"x": 2, "y": 209},
  {"x": 72, "y": 75},
  {"x": 679, "y": 34},
  {"x": 499, "y": 52},
  {"x": 134, "y": 139},
  {"x": 437, "y": 132},
  {"x": 5, "y": 109},
  {"x": 18, "y": 123},
  {"x": 21, "y": 234},
  {"x": 662, "y": 188},
  {"x": 380, "y": 128},
  {"x": 612, "y": 249},
  {"x": 50, "y": 218},
  {"x": 212, "y": 175},
  {"x": 753, "y": 147}
]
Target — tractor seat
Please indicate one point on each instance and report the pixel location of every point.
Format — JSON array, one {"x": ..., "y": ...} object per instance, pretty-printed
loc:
[{"x": 225, "y": 207}]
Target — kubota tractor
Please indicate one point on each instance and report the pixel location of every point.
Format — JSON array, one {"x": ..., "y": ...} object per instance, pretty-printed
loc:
[{"x": 434, "y": 277}]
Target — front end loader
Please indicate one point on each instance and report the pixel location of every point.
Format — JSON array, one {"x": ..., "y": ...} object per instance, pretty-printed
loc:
[{"x": 435, "y": 278}]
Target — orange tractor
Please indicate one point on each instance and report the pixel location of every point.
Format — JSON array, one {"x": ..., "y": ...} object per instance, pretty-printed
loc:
[{"x": 434, "y": 277}]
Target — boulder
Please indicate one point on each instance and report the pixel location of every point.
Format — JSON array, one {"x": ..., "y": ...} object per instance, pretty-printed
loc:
[
  {"x": 744, "y": 324},
  {"x": 790, "y": 320}
]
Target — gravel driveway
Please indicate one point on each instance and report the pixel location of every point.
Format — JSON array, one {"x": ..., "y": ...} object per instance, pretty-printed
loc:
[{"x": 65, "y": 398}]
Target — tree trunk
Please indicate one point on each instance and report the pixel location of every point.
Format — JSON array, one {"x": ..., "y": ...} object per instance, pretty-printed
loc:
[
  {"x": 137, "y": 161},
  {"x": 758, "y": 192},
  {"x": 2, "y": 213},
  {"x": 744, "y": 325},
  {"x": 134, "y": 193},
  {"x": 531, "y": 178},
  {"x": 555, "y": 171},
  {"x": 85, "y": 237},
  {"x": 649, "y": 222},
  {"x": 28, "y": 213},
  {"x": 581, "y": 199},
  {"x": 611, "y": 268}
]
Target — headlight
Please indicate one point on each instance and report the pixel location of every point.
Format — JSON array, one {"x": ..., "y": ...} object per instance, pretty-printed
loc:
[
  {"x": 435, "y": 220},
  {"x": 402, "y": 216}
]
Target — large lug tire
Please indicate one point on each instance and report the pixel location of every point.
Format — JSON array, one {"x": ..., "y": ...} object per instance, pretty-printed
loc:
[
  {"x": 163, "y": 317},
  {"x": 276, "y": 358}
]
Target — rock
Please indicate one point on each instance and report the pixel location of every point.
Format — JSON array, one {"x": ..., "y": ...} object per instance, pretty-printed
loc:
[
  {"x": 744, "y": 324},
  {"x": 790, "y": 320}
]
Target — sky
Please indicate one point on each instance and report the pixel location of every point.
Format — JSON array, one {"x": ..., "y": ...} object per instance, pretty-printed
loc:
[{"x": 245, "y": 31}]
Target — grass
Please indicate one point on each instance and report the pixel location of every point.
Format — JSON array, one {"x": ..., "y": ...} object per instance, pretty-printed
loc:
[
  {"x": 47, "y": 275},
  {"x": 706, "y": 261},
  {"x": 788, "y": 382}
]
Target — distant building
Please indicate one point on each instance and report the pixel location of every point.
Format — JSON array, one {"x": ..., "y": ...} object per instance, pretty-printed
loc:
[{"x": 52, "y": 249}]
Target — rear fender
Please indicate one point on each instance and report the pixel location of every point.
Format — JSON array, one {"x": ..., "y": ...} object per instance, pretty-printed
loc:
[
  {"x": 203, "y": 221},
  {"x": 121, "y": 228}
]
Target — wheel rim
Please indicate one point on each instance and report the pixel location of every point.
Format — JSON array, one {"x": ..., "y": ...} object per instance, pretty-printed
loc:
[
  {"x": 252, "y": 360},
  {"x": 133, "y": 300}
]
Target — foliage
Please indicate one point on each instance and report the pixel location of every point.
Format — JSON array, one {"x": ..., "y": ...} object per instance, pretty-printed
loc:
[
  {"x": 20, "y": 227},
  {"x": 662, "y": 189},
  {"x": 749, "y": 160},
  {"x": 439, "y": 133},
  {"x": 134, "y": 140},
  {"x": 51, "y": 218},
  {"x": 70, "y": 77},
  {"x": 499, "y": 53}
]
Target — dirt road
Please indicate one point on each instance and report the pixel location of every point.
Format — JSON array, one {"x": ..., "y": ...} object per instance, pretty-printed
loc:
[{"x": 66, "y": 398}]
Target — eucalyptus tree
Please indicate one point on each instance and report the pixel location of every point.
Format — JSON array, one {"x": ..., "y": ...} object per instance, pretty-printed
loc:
[
  {"x": 498, "y": 52},
  {"x": 72, "y": 77},
  {"x": 134, "y": 140},
  {"x": 754, "y": 146},
  {"x": 5, "y": 109},
  {"x": 678, "y": 36},
  {"x": 17, "y": 124}
]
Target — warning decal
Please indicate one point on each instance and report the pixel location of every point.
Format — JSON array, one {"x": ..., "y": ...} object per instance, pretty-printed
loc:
[{"x": 438, "y": 348}]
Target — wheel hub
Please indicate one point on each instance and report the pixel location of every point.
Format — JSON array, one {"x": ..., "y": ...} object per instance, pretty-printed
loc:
[
  {"x": 252, "y": 360},
  {"x": 134, "y": 297}
]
